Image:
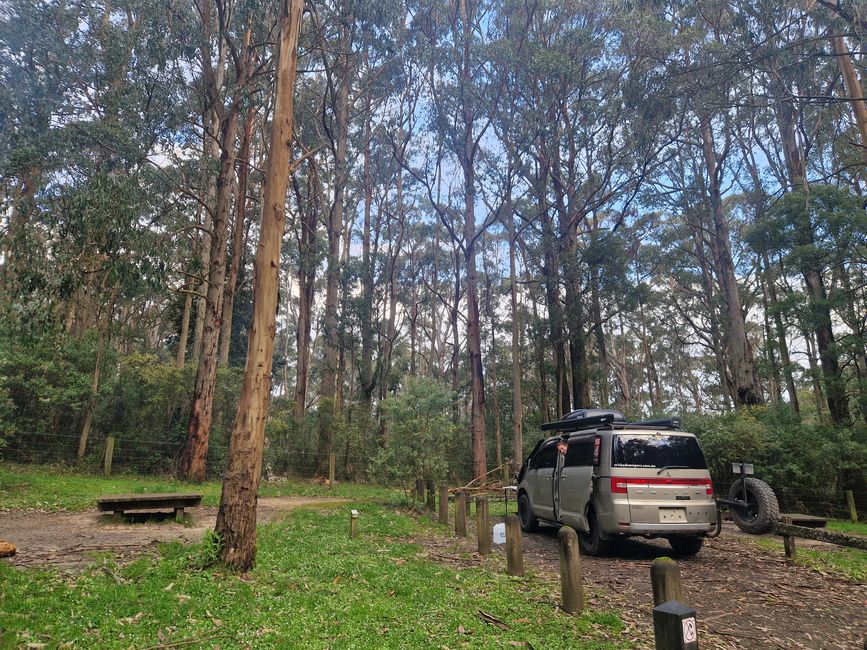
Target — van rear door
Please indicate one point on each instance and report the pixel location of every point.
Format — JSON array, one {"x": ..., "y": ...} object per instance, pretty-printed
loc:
[{"x": 664, "y": 476}]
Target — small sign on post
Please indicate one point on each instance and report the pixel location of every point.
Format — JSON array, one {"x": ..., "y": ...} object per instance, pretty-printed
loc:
[
  {"x": 353, "y": 523},
  {"x": 675, "y": 627}
]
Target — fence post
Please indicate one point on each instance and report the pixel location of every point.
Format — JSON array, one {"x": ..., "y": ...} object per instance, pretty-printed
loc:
[
  {"x": 665, "y": 580},
  {"x": 483, "y": 528},
  {"x": 444, "y": 504},
  {"x": 514, "y": 552},
  {"x": 570, "y": 571},
  {"x": 461, "y": 514},
  {"x": 850, "y": 501},
  {"x": 332, "y": 464},
  {"x": 109, "y": 455},
  {"x": 430, "y": 496},
  {"x": 789, "y": 542}
]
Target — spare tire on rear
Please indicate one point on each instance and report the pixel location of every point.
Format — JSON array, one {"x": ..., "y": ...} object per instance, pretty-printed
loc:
[{"x": 761, "y": 512}]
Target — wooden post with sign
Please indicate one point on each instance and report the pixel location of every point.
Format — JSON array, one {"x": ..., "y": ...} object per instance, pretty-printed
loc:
[
  {"x": 109, "y": 455},
  {"x": 674, "y": 627},
  {"x": 461, "y": 514},
  {"x": 353, "y": 523}
]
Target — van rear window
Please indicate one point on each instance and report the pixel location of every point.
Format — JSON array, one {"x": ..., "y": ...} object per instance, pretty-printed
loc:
[{"x": 657, "y": 451}]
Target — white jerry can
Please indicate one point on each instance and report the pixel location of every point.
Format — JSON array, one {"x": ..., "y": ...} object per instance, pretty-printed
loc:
[{"x": 499, "y": 533}]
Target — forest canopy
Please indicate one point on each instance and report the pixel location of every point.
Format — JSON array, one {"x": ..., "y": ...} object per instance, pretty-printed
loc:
[{"x": 498, "y": 211}]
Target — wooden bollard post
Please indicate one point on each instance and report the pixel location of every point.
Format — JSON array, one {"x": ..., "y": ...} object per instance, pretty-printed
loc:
[
  {"x": 483, "y": 528},
  {"x": 461, "y": 514},
  {"x": 514, "y": 552},
  {"x": 430, "y": 496},
  {"x": 353, "y": 523},
  {"x": 789, "y": 543},
  {"x": 332, "y": 464},
  {"x": 444, "y": 504},
  {"x": 109, "y": 455},
  {"x": 665, "y": 580},
  {"x": 570, "y": 571},
  {"x": 853, "y": 512},
  {"x": 674, "y": 627}
]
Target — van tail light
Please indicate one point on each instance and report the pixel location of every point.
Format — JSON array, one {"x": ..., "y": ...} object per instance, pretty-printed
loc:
[{"x": 620, "y": 484}]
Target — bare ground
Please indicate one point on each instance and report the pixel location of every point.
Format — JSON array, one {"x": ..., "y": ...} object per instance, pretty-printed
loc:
[
  {"x": 68, "y": 540},
  {"x": 745, "y": 596}
]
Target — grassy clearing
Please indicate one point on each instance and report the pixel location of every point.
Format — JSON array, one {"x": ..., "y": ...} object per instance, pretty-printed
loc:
[
  {"x": 848, "y": 563},
  {"x": 859, "y": 528},
  {"x": 59, "y": 488},
  {"x": 312, "y": 588}
]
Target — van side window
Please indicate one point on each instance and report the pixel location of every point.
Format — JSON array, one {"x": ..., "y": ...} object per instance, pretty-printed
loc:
[
  {"x": 547, "y": 457},
  {"x": 580, "y": 451}
]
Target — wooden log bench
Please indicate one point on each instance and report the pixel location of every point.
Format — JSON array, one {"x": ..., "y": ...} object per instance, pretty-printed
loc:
[
  {"x": 123, "y": 503},
  {"x": 789, "y": 532},
  {"x": 808, "y": 521}
]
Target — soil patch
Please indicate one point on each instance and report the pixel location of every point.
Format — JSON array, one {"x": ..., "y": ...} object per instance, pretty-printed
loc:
[
  {"x": 746, "y": 597},
  {"x": 68, "y": 540}
]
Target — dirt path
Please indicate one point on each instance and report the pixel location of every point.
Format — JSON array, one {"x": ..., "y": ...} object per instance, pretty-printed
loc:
[
  {"x": 745, "y": 597},
  {"x": 69, "y": 539}
]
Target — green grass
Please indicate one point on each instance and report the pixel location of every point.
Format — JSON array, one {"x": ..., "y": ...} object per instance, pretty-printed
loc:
[
  {"x": 848, "y": 563},
  {"x": 312, "y": 587},
  {"x": 859, "y": 528},
  {"x": 57, "y": 488}
]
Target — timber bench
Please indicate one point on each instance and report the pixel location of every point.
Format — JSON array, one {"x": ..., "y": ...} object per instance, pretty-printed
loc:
[{"x": 123, "y": 503}]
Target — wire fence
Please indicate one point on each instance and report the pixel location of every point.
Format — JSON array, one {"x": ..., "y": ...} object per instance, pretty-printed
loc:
[{"x": 351, "y": 464}]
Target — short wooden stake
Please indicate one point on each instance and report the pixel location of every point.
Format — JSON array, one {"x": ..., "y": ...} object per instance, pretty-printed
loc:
[
  {"x": 461, "y": 514},
  {"x": 444, "y": 504},
  {"x": 788, "y": 542},
  {"x": 109, "y": 455},
  {"x": 674, "y": 627},
  {"x": 332, "y": 464},
  {"x": 514, "y": 551},
  {"x": 570, "y": 571},
  {"x": 850, "y": 501},
  {"x": 665, "y": 580},
  {"x": 483, "y": 528},
  {"x": 353, "y": 524}
]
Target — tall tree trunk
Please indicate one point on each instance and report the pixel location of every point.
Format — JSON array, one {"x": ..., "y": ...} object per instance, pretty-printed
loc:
[
  {"x": 238, "y": 240},
  {"x": 236, "y": 518},
  {"x": 853, "y": 87},
  {"x": 181, "y": 357},
  {"x": 306, "y": 282},
  {"x": 517, "y": 396},
  {"x": 739, "y": 351},
  {"x": 194, "y": 457}
]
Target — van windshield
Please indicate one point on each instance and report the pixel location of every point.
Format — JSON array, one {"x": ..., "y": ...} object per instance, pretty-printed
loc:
[{"x": 657, "y": 451}]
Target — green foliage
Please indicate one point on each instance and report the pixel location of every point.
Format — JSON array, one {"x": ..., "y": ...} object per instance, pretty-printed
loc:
[
  {"x": 808, "y": 465},
  {"x": 420, "y": 434}
]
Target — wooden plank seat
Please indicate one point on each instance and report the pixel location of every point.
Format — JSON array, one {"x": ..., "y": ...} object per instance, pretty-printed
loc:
[
  {"x": 123, "y": 503},
  {"x": 808, "y": 521}
]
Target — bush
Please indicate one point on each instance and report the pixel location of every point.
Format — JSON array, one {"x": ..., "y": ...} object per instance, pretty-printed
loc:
[
  {"x": 809, "y": 466},
  {"x": 419, "y": 435}
]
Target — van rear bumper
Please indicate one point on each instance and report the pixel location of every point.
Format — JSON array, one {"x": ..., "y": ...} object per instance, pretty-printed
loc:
[{"x": 666, "y": 529}]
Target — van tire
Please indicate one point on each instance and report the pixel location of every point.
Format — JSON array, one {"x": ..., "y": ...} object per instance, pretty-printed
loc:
[
  {"x": 529, "y": 523},
  {"x": 684, "y": 546},
  {"x": 592, "y": 542},
  {"x": 763, "y": 512}
]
